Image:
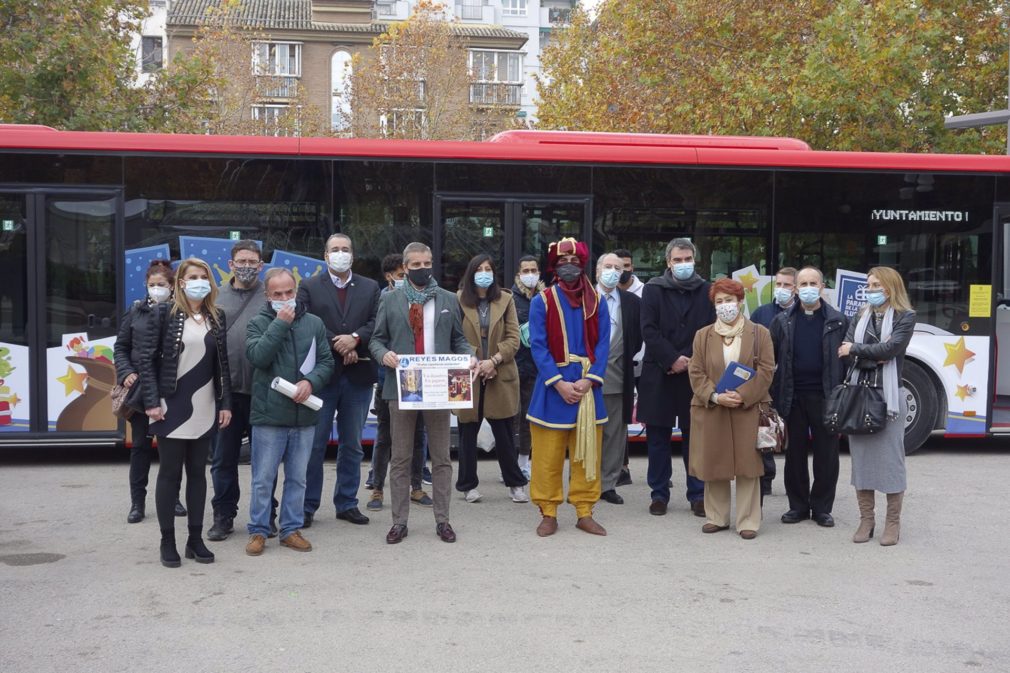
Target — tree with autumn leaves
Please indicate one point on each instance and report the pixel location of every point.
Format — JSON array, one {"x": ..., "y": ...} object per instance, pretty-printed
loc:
[{"x": 840, "y": 74}]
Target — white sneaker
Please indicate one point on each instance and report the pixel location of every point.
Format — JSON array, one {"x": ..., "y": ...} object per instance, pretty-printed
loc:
[
  {"x": 518, "y": 494},
  {"x": 472, "y": 495}
]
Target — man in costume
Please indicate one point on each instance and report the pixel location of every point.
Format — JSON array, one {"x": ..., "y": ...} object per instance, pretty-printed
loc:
[{"x": 569, "y": 342}]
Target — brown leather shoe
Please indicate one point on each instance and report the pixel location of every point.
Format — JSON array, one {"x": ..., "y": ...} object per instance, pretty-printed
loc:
[
  {"x": 297, "y": 542},
  {"x": 396, "y": 533},
  {"x": 588, "y": 524},
  {"x": 657, "y": 508},
  {"x": 698, "y": 507},
  {"x": 255, "y": 545},
  {"x": 445, "y": 532},
  {"x": 712, "y": 528},
  {"x": 748, "y": 534},
  {"x": 549, "y": 526}
]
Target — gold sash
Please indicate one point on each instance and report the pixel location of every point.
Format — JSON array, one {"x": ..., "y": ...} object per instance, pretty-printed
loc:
[{"x": 586, "y": 449}]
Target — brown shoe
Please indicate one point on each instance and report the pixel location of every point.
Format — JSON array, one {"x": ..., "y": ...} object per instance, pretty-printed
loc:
[
  {"x": 712, "y": 528},
  {"x": 445, "y": 532},
  {"x": 657, "y": 508},
  {"x": 698, "y": 507},
  {"x": 297, "y": 542},
  {"x": 549, "y": 526},
  {"x": 588, "y": 524},
  {"x": 396, "y": 533},
  {"x": 255, "y": 545},
  {"x": 748, "y": 534}
]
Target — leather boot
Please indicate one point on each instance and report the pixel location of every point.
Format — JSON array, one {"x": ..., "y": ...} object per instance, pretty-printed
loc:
[
  {"x": 222, "y": 528},
  {"x": 195, "y": 548},
  {"x": 865, "y": 499},
  {"x": 169, "y": 554},
  {"x": 136, "y": 514},
  {"x": 892, "y": 522}
]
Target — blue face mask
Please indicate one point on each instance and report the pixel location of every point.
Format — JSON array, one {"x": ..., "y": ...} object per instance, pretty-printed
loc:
[
  {"x": 483, "y": 279},
  {"x": 683, "y": 270},
  {"x": 286, "y": 303},
  {"x": 609, "y": 278},
  {"x": 809, "y": 295},
  {"x": 197, "y": 289},
  {"x": 783, "y": 296},
  {"x": 876, "y": 297},
  {"x": 399, "y": 282}
]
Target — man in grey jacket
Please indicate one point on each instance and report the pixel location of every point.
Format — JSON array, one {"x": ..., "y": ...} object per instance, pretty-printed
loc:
[{"x": 240, "y": 298}]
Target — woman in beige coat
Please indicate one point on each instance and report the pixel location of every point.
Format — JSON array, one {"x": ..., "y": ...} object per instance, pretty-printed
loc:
[
  {"x": 724, "y": 425},
  {"x": 491, "y": 327}
]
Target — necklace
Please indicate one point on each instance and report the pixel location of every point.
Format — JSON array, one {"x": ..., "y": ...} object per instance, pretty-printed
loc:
[
  {"x": 198, "y": 317},
  {"x": 483, "y": 309}
]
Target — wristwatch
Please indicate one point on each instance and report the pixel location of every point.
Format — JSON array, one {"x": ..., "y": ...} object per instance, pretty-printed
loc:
[
  {"x": 715, "y": 398},
  {"x": 355, "y": 335}
]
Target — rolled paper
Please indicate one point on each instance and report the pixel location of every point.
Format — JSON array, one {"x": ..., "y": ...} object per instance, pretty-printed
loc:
[{"x": 289, "y": 389}]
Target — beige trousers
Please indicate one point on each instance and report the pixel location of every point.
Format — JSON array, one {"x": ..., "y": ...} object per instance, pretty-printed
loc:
[
  {"x": 401, "y": 429},
  {"x": 748, "y": 503}
]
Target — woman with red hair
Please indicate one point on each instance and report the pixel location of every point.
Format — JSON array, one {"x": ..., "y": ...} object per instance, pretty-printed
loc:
[{"x": 724, "y": 425}]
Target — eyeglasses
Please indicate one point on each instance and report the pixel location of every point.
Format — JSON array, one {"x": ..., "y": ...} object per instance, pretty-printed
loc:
[{"x": 245, "y": 263}]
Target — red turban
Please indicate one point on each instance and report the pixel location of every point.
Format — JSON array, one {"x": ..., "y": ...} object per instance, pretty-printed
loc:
[{"x": 567, "y": 246}]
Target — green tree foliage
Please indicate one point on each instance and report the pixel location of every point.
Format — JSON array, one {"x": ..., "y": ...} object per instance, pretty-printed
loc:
[
  {"x": 68, "y": 63},
  {"x": 840, "y": 74}
]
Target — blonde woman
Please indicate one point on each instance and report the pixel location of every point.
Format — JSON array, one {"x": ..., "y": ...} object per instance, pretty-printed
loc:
[
  {"x": 186, "y": 392},
  {"x": 877, "y": 338}
]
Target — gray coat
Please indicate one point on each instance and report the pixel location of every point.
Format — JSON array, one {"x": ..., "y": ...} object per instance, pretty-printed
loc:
[
  {"x": 393, "y": 333},
  {"x": 239, "y": 306}
]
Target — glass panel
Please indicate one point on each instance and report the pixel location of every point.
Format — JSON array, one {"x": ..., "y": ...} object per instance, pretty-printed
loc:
[
  {"x": 541, "y": 224},
  {"x": 80, "y": 313},
  {"x": 14, "y": 355},
  {"x": 471, "y": 227}
]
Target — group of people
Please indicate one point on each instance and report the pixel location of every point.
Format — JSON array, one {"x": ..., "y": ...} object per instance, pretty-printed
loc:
[{"x": 555, "y": 372}]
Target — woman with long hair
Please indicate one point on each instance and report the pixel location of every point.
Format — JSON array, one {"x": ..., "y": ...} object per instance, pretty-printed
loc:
[
  {"x": 186, "y": 391},
  {"x": 491, "y": 327},
  {"x": 876, "y": 341}
]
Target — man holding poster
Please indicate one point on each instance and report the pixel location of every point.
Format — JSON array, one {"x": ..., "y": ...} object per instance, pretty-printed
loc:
[{"x": 419, "y": 319}]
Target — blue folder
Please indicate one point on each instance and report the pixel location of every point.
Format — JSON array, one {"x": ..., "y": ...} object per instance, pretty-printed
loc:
[{"x": 735, "y": 376}]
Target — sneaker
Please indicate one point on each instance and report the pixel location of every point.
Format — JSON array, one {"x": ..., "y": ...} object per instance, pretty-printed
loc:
[
  {"x": 472, "y": 495},
  {"x": 518, "y": 494},
  {"x": 375, "y": 502},
  {"x": 255, "y": 545},
  {"x": 426, "y": 475},
  {"x": 419, "y": 497},
  {"x": 297, "y": 542}
]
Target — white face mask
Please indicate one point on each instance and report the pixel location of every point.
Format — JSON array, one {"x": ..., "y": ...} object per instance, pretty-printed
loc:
[
  {"x": 340, "y": 261},
  {"x": 197, "y": 289},
  {"x": 283, "y": 304},
  {"x": 158, "y": 294},
  {"x": 530, "y": 280},
  {"x": 727, "y": 312}
]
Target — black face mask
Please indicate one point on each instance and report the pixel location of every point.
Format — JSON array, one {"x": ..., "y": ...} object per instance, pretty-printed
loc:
[
  {"x": 568, "y": 273},
  {"x": 625, "y": 277},
  {"x": 419, "y": 277}
]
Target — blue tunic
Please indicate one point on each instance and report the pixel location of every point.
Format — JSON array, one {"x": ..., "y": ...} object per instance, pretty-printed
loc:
[{"x": 546, "y": 406}]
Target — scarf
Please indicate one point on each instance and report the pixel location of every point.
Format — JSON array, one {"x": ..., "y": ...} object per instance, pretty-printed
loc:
[
  {"x": 692, "y": 283},
  {"x": 556, "y": 332},
  {"x": 730, "y": 351},
  {"x": 525, "y": 291},
  {"x": 416, "y": 300},
  {"x": 891, "y": 391}
]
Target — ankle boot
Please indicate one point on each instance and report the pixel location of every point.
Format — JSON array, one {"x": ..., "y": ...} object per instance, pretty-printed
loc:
[
  {"x": 136, "y": 514},
  {"x": 195, "y": 548},
  {"x": 169, "y": 554},
  {"x": 222, "y": 528},
  {"x": 892, "y": 523},
  {"x": 865, "y": 499}
]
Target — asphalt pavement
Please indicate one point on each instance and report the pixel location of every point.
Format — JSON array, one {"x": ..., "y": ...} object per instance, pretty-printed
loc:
[{"x": 81, "y": 590}]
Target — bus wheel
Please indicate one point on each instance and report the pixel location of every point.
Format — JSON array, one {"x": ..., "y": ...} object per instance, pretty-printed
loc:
[{"x": 919, "y": 392}]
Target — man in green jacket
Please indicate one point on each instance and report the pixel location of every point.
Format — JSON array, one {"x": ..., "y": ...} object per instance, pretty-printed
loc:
[{"x": 283, "y": 343}]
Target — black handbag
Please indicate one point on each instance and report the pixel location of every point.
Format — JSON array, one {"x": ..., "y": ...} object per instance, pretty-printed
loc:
[{"x": 856, "y": 408}]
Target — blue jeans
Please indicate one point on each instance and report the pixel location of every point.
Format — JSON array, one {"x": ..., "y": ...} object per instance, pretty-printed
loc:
[
  {"x": 350, "y": 403},
  {"x": 657, "y": 437},
  {"x": 271, "y": 446}
]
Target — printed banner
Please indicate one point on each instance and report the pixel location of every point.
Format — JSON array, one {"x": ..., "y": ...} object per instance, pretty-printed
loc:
[
  {"x": 850, "y": 289},
  {"x": 434, "y": 382},
  {"x": 757, "y": 288}
]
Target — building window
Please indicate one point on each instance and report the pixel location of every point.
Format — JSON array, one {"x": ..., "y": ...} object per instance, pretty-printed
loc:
[
  {"x": 340, "y": 103},
  {"x": 513, "y": 7},
  {"x": 498, "y": 77},
  {"x": 404, "y": 123},
  {"x": 277, "y": 59},
  {"x": 472, "y": 9},
  {"x": 269, "y": 116},
  {"x": 151, "y": 54}
]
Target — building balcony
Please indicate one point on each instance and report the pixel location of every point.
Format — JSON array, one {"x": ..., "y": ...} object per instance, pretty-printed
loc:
[
  {"x": 391, "y": 10},
  {"x": 496, "y": 93},
  {"x": 278, "y": 87},
  {"x": 555, "y": 16},
  {"x": 471, "y": 11}
]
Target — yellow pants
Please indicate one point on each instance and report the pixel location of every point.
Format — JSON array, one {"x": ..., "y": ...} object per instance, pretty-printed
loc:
[{"x": 547, "y": 472}]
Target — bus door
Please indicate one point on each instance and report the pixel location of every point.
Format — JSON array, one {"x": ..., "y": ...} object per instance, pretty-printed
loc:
[
  {"x": 58, "y": 315},
  {"x": 1000, "y": 413},
  {"x": 504, "y": 227}
]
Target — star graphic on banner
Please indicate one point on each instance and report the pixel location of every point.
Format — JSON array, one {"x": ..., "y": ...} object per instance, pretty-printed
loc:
[
  {"x": 957, "y": 355},
  {"x": 14, "y": 400},
  {"x": 749, "y": 280},
  {"x": 72, "y": 381},
  {"x": 963, "y": 392}
]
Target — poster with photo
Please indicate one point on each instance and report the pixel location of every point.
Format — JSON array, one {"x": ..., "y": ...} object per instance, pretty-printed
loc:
[{"x": 434, "y": 382}]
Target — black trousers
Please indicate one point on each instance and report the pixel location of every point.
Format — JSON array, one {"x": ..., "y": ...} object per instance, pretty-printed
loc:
[
  {"x": 175, "y": 454},
  {"x": 504, "y": 448},
  {"x": 141, "y": 455},
  {"x": 769, "y": 476},
  {"x": 807, "y": 435}
]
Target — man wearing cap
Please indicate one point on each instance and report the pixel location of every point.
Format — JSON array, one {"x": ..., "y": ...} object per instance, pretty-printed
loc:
[{"x": 570, "y": 343}]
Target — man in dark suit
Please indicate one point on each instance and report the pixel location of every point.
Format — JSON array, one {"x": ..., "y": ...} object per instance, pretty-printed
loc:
[
  {"x": 347, "y": 305},
  {"x": 619, "y": 383},
  {"x": 419, "y": 318}
]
